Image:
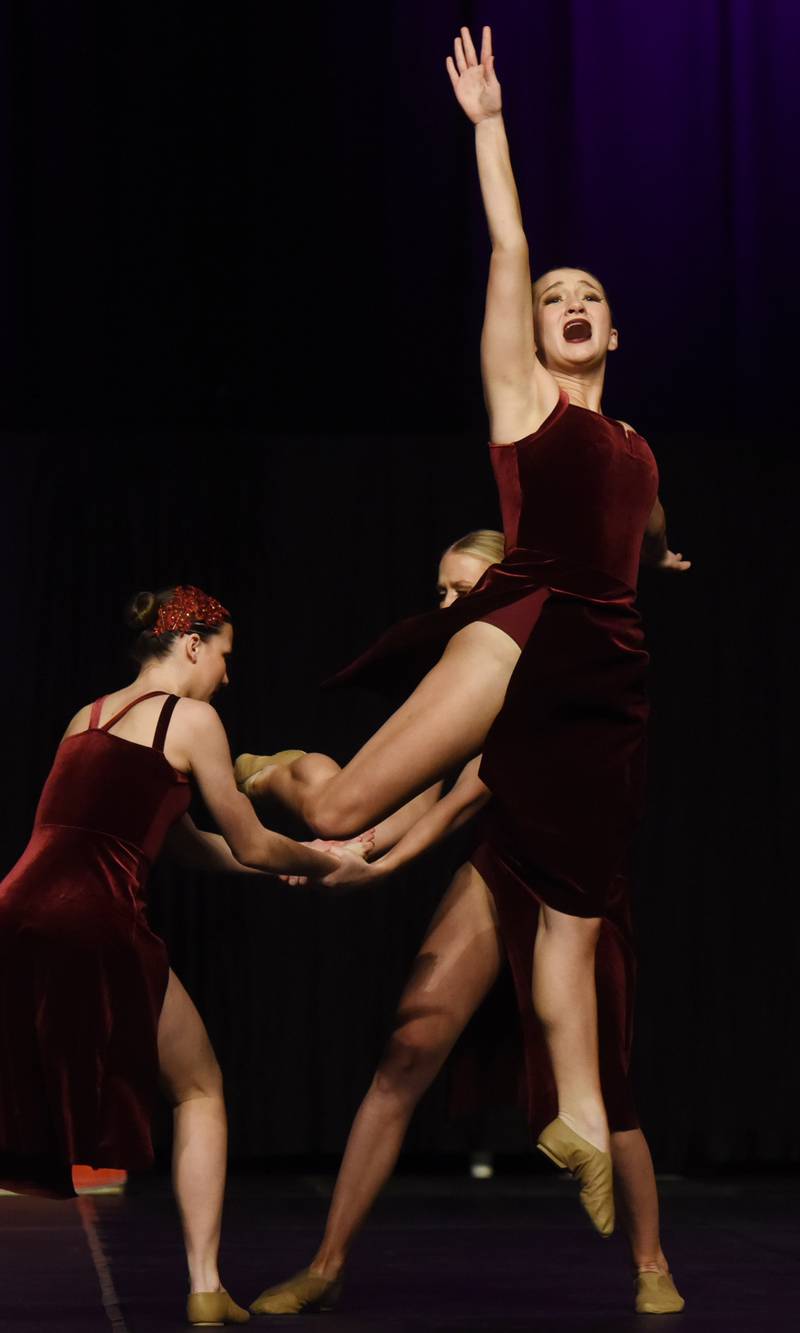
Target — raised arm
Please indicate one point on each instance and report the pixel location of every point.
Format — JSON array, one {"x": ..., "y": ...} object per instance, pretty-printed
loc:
[
  {"x": 199, "y": 737},
  {"x": 655, "y": 550},
  {"x": 448, "y": 814},
  {"x": 519, "y": 391}
]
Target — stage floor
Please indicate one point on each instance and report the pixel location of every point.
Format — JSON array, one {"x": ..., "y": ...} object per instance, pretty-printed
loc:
[{"x": 441, "y": 1253}]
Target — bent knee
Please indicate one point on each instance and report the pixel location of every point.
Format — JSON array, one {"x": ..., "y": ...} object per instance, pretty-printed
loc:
[
  {"x": 334, "y": 814},
  {"x": 414, "y": 1052}
]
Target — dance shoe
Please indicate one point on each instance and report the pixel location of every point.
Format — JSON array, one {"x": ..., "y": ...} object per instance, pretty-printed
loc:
[
  {"x": 305, "y": 1292},
  {"x": 213, "y": 1309},
  {"x": 247, "y": 765},
  {"x": 656, "y": 1293},
  {"x": 590, "y": 1166}
]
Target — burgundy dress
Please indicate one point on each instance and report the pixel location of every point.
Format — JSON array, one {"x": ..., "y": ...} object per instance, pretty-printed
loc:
[
  {"x": 564, "y": 758},
  {"x": 82, "y": 976}
]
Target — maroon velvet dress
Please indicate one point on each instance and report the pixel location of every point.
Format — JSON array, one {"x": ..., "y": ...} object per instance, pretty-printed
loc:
[
  {"x": 564, "y": 758},
  {"x": 82, "y": 976}
]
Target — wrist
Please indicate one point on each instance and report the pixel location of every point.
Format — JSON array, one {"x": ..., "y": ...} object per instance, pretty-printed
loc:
[
  {"x": 490, "y": 121},
  {"x": 382, "y": 867}
]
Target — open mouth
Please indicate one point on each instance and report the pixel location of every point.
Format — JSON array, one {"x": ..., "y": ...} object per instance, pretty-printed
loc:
[{"x": 577, "y": 331}]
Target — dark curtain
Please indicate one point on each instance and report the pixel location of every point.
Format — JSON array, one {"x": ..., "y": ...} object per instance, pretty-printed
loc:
[{"x": 242, "y": 266}]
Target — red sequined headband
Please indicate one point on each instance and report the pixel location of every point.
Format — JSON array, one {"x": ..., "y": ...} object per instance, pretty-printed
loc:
[{"x": 186, "y": 607}]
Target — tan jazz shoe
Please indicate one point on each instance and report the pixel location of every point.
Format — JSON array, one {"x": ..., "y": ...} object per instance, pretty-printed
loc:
[
  {"x": 213, "y": 1309},
  {"x": 305, "y": 1292},
  {"x": 656, "y": 1293},
  {"x": 588, "y": 1165},
  {"x": 247, "y": 765}
]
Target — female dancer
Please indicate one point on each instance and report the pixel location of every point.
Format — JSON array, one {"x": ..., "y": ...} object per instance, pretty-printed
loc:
[
  {"x": 91, "y": 1017},
  {"x": 544, "y": 668},
  {"x": 456, "y": 965}
]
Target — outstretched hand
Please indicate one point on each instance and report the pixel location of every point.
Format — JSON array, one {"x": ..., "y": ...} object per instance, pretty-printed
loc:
[
  {"x": 475, "y": 82},
  {"x": 674, "y": 560}
]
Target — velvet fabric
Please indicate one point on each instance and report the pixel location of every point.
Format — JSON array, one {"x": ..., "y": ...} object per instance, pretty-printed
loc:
[
  {"x": 564, "y": 758},
  {"x": 82, "y": 976}
]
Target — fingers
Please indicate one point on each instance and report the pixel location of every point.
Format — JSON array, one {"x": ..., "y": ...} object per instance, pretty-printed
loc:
[
  {"x": 451, "y": 70},
  {"x": 486, "y": 46},
  {"x": 461, "y": 59},
  {"x": 469, "y": 47}
]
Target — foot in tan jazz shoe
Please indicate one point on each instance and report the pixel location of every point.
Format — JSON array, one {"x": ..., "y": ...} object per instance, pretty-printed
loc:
[
  {"x": 587, "y": 1164},
  {"x": 247, "y": 765},
  {"x": 656, "y": 1293},
  {"x": 302, "y": 1293},
  {"x": 213, "y": 1309}
]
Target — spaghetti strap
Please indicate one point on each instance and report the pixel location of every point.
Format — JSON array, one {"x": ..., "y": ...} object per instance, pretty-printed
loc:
[
  {"x": 164, "y": 718},
  {"x": 151, "y": 694},
  {"x": 94, "y": 716}
]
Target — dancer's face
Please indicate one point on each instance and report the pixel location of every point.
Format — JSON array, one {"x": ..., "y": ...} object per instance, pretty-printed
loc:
[
  {"x": 572, "y": 320},
  {"x": 458, "y": 574},
  {"x": 209, "y": 662}
]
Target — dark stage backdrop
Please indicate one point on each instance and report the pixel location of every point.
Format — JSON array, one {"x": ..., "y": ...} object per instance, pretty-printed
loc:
[{"x": 241, "y": 270}]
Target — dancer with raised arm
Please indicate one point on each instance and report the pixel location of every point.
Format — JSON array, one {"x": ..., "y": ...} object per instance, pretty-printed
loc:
[
  {"x": 91, "y": 1016},
  {"x": 456, "y": 965},
  {"x": 544, "y": 664}
]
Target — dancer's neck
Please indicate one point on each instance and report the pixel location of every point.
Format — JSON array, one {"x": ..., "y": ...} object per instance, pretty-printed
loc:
[{"x": 583, "y": 390}]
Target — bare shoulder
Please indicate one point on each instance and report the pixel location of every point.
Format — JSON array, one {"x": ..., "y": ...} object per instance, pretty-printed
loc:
[
  {"x": 79, "y": 722},
  {"x": 193, "y": 718}
]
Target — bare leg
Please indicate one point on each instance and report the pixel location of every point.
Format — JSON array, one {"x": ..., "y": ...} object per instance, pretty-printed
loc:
[
  {"x": 454, "y": 969},
  {"x": 637, "y": 1197},
  {"x": 443, "y": 723},
  {"x": 565, "y": 999},
  {"x": 192, "y": 1080}
]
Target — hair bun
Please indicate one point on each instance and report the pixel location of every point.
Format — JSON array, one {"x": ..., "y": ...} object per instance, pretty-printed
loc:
[{"x": 142, "y": 611}]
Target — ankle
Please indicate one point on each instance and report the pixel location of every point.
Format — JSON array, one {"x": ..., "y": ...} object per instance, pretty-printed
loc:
[
  {"x": 590, "y": 1122},
  {"x": 649, "y": 1264},
  {"x": 203, "y": 1278},
  {"x": 327, "y": 1265}
]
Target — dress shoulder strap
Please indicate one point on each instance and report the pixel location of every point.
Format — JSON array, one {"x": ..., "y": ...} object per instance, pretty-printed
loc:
[
  {"x": 112, "y": 720},
  {"x": 94, "y": 716},
  {"x": 164, "y": 719}
]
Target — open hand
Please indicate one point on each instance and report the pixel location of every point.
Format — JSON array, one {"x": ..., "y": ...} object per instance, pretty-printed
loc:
[
  {"x": 674, "y": 560},
  {"x": 475, "y": 82}
]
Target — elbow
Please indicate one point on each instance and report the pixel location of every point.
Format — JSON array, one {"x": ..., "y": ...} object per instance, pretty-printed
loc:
[{"x": 246, "y": 852}]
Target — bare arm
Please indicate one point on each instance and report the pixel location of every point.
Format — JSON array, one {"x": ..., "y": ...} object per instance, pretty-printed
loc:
[
  {"x": 519, "y": 391},
  {"x": 198, "y": 850},
  {"x": 655, "y": 550},
  {"x": 454, "y": 810},
  {"x": 199, "y": 736},
  {"x": 394, "y": 827}
]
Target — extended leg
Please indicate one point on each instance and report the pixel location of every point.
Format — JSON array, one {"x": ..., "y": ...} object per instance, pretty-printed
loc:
[
  {"x": 565, "y": 999},
  {"x": 444, "y": 722},
  {"x": 192, "y": 1080},
  {"x": 637, "y": 1204},
  {"x": 455, "y": 967}
]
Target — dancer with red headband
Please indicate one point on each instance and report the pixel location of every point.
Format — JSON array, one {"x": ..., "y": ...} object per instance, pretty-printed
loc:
[
  {"x": 544, "y": 665},
  {"x": 91, "y": 1016}
]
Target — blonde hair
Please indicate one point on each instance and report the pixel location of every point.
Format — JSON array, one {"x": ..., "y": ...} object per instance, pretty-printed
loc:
[{"x": 484, "y": 544}]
